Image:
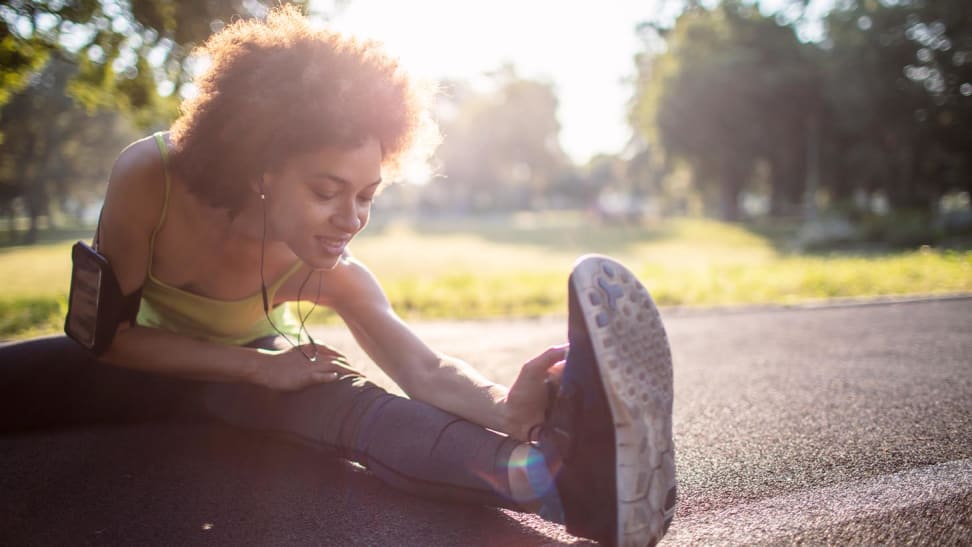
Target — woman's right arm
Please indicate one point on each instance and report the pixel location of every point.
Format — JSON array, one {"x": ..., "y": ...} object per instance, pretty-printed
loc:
[
  {"x": 132, "y": 209},
  {"x": 158, "y": 351}
]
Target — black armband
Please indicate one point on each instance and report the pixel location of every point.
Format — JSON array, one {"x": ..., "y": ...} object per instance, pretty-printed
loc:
[{"x": 96, "y": 305}]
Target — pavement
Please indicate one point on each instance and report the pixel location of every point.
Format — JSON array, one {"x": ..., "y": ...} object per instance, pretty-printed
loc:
[{"x": 827, "y": 424}]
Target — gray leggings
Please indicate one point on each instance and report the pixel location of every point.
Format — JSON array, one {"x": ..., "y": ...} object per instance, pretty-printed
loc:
[{"x": 52, "y": 382}]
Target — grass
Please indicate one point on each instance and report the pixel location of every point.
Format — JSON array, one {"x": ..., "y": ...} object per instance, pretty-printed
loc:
[{"x": 517, "y": 266}]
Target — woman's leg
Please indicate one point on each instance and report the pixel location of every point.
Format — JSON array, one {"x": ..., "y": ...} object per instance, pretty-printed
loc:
[
  {"x": 413, "y": 446},
  {"x": 408, "y": 444},
  {"x": 54, "y": 382}
]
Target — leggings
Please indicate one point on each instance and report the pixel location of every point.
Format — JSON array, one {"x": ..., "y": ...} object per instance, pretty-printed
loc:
[{"x": 412, "y": 446}]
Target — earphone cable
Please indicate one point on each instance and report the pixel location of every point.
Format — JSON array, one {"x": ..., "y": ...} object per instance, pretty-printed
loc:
[{"x": 266, "y": 304}]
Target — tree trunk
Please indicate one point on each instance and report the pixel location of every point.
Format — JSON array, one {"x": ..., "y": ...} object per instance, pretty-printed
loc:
[
  {"x": 813, "y": 169},
  {"x": 777, "y": 194},
  {"x": 729, "y": 200},
  {"x": 36, "y": 202}
]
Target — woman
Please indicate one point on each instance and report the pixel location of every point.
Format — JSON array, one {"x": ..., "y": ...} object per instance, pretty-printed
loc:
[{"x": 249, "y": 203}]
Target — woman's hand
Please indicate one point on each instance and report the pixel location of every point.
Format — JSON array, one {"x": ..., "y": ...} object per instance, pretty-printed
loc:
[
  {"x": 290, "y": 370},
  {"x": 528, "y": 398}
]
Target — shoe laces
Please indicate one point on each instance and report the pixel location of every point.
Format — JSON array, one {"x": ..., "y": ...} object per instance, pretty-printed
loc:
[
  {"x": 555, "y": 430},
  {"x": 553, "y": 388}
]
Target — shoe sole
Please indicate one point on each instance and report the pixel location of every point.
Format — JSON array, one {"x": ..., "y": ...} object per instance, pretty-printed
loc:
[{"x": 635, "y": 363}]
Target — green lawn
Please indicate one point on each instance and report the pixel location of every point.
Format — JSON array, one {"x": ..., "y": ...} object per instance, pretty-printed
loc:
[{"x": 517, "y": 266}]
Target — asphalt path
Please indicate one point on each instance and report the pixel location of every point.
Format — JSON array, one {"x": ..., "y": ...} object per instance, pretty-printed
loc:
[{"x": 830, "y": 424}]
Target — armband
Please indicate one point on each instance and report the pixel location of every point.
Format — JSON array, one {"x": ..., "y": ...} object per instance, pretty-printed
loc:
[{"x": 96, "y": 305}]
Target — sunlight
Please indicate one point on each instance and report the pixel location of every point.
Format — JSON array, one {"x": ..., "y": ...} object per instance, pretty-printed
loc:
[{"x": 586, "y": 52}]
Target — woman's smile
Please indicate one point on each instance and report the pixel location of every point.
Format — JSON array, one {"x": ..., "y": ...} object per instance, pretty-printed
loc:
[{"x": 332, "y": 245}]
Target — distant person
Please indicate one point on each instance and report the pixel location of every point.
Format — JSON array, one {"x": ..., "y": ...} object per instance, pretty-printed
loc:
[{"x": 248, "y": 204}]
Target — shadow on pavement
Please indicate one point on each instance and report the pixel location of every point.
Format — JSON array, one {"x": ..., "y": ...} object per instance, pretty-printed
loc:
[{"x": 208, "y": 484}]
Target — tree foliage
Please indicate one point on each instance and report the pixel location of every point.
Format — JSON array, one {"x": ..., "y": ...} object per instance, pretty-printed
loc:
[
  {"x": 900, "y": 118},
  {"x": 732, "y": 88},
  {"x": 56, "y": 154},
  {"x": 501, "y": 148},
  {"x": 132, "y": 55},
  {"x": 881, "y": 104},
  {"x": 76, "y": 75}
]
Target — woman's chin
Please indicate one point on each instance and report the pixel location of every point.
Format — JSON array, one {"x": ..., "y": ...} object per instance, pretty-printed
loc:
[
  {"x": 322, "y": 261},
  {"x": 318, "y": 257}
]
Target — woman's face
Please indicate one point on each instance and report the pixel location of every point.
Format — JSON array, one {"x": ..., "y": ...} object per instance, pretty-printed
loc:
[{"x": 317, "y": 202}]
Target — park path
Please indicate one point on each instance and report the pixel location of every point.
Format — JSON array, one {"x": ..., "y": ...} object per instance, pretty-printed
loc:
[{"x": 833, "y": 424}]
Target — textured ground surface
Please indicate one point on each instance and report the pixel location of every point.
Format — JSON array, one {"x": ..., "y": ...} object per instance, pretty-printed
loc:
[{"x": 828, "y": 425}]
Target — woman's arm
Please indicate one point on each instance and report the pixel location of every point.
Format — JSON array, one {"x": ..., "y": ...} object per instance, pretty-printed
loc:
[
  {"x": 133, "y": 206},
  {"x": 153, "y": 350},
  {"x": 158, "y": 351},
  {"x": 440, "y": 380},
  {"x": 132, "y": 209}
]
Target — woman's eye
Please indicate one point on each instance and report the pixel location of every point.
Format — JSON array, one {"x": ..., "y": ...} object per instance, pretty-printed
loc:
[{"x": 366, "y": 199}]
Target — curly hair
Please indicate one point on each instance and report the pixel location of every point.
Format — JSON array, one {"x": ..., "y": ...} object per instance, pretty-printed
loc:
[{"x": 277, "y": 88}]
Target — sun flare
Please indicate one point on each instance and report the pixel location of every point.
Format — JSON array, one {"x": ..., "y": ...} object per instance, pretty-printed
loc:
[{"x": 586, "y": 52}]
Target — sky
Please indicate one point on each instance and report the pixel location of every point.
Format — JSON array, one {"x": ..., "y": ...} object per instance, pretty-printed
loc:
[{"x": 585, "y": 49}]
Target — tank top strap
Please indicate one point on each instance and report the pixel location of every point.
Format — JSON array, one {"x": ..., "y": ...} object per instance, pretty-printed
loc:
[
  {"x": 163, "y": 149},
  {"x": 272, "y": 289}
]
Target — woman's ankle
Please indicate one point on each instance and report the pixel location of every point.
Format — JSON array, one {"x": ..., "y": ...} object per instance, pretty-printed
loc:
[
  {"x": 520, "y": 488},
  {"x": 531, "y": 484}
]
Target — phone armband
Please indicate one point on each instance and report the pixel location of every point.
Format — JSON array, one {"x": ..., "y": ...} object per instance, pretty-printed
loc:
[{"x": 96, "y": 305}]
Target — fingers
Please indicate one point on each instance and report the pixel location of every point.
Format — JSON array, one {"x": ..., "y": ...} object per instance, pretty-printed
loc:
[
  {"x": 324, "y": 376},
  {"x": 322, "y": 350},
  {"x": 329, "y": 369},
  {"x": 539, "y": 365},
  {"x": 328, "y": 357},
  {"x": 341, "y": 365}
]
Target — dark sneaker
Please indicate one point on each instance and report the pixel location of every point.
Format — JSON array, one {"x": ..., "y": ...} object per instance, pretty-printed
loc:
[{"x": 608, "y": 435}]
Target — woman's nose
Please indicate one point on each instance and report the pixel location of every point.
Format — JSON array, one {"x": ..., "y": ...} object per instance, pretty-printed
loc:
[{"x": 346, "y": 218}]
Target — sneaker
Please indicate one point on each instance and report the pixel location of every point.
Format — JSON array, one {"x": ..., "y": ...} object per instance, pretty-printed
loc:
[{"x": 608, "y": 434}]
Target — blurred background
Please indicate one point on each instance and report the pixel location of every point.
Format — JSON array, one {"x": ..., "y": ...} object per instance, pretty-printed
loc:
[{"x": 729, "y": 151}]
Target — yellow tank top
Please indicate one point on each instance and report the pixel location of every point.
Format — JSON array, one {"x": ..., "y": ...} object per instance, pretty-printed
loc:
[{"x": 232, "y": 322}]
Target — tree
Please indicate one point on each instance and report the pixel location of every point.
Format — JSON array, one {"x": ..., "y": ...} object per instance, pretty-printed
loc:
[
  {"x": 107, "y": 56},
  {"x": 732, "y": 87},
  {"x": 502, "y": 145},
  {"x": 881, "y": 104},
  {"x": 133, "y": 55},
  {"x": 56, "y": 154},
  {"x": 899, "y": 96}
]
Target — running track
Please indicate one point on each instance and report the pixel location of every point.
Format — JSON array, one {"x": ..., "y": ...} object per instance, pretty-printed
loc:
[{"x": 833, "y": 424}]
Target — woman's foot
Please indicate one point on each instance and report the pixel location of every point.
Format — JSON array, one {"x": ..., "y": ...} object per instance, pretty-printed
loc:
[{"x": 608, "y": 437}]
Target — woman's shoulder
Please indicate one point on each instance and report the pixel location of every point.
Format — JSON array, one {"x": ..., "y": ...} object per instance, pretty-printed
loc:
[
  {"x": 133, "y": 203},
  {"x": 138, "y": 183},
  {"x": 351, "y": 283},
  {"x": 139, "y": 164}
]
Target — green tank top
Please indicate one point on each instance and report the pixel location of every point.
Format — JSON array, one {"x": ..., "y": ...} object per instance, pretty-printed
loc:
[{"x": 232, "y": 322}]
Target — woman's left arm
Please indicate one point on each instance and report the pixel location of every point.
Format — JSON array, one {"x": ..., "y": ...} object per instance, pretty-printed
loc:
[{"x": 426, "y": 375}]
